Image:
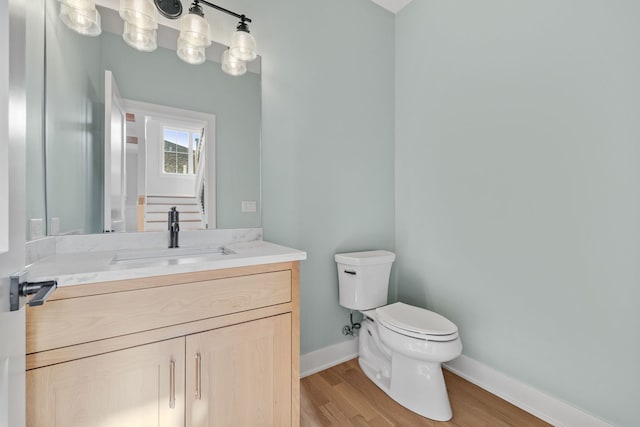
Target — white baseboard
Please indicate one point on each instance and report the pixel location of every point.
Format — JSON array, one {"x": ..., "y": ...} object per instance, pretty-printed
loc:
[
  {"x": 543, "y": 406},
  {"x": 327, "y": 357}
]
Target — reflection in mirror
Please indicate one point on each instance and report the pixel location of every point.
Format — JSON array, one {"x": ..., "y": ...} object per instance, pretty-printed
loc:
[
  {"x": 159, "y": 94},
  {"x": 168, "y": 163}
]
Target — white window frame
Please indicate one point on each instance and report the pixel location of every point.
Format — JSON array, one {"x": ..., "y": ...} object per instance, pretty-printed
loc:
[{"x": 190, "y": 130}]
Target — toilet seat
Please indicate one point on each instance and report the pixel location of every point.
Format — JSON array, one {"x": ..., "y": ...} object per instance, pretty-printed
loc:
[{"x": 416, "y": 322}]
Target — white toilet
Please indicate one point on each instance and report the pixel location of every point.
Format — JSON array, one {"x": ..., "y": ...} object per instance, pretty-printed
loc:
[{"x": 401, "y": 346}]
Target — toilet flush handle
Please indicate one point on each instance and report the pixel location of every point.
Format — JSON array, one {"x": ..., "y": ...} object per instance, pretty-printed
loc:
[{"x": 350, "y": 272}]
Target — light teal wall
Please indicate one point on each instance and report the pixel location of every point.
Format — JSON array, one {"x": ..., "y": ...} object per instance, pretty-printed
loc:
[
  {"x": 517, "y": 176},
  {"x": 74, "y": 108},
  {"x": 327, "y": 162},
  {"x": 160, "y": 77}
]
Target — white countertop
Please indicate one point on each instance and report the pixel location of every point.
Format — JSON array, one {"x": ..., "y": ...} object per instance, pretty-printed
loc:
[{"x": 93, "y": 267}]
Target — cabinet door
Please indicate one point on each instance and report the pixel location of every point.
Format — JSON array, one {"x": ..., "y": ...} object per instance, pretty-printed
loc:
[
  {"x": 141, "y": 386},
  {"x": 240, "y": 375}
]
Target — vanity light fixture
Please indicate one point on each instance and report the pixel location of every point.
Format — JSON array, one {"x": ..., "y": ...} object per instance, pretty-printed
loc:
[
  {"x": 81, "y": 16},
  {"x": 192, "y": 30},
  {"x": 141, "y": 24},
  {"x": 194, "y": 36},
  {"x": 243, "y": 45}
]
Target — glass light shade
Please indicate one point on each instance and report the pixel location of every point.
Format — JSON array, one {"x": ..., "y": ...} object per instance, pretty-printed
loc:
[
  {"x": 194, "y": 29},
  {"x": 81, "y": 16},
  {"x": 189, "y": 53},
  {"x": 80, "y": 4},
  {"x": 243, "y": 46},
  {"x": 139, "y": 38},
  {"x": 141, "y": 13},
  {"x": 232, "y": 65}
]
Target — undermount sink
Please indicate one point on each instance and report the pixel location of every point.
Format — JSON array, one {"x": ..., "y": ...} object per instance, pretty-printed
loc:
[{"x": 156, "y": 255}]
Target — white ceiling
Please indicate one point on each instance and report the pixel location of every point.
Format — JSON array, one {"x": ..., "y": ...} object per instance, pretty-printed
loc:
[{"x": 392, "y": 5}]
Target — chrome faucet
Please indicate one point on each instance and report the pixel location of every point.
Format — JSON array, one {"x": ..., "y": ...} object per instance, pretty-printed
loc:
[{"x": 174, "y": 227}]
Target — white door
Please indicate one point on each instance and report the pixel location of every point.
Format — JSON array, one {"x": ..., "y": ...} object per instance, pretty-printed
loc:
[
  {"x": 114, "y": 156},
  {"x": 12, "y": 208}
]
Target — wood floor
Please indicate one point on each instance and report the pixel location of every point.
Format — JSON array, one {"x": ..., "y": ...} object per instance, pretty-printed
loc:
[{"x": 344, "y": 396}]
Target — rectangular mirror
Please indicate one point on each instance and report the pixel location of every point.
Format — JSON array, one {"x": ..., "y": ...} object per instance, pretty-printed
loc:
[{"x": 128, "y": 134}]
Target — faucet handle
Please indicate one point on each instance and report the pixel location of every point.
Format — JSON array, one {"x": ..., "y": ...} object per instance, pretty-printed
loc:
[
  {"x": 174, "y": 216},
  {"x": 174, "y": 227}
]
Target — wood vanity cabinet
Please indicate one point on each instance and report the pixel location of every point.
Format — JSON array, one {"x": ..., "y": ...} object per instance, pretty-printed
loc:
[
  {"x": 240, "y": 375},
  {"x": 213, "y": 348},
  {"x": 131, "y": 387}
]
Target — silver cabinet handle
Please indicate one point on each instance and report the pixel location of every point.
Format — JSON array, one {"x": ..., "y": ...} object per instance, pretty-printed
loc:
[
  {"x": 172, "y": 384},
  {"x": 198, "y": 376}
]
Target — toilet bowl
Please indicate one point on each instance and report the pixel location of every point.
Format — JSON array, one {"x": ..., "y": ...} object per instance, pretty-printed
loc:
[
  {"x": 409, "y": 357},
  {"x": 401, "y": 347}
]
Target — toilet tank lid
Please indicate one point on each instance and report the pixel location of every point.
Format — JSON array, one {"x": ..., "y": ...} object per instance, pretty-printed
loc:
[{"x": 366, "y": 258}]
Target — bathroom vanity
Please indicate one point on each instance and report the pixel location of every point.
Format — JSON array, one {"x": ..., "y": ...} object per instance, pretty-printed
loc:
[{"x": 213, "y": 346}]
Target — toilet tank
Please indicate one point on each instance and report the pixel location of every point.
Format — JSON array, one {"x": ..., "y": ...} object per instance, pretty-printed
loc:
[{"x": 363, "y": 278}]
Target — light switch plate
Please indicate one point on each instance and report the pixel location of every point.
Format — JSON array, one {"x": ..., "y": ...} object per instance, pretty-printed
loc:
[
  {"x": 36, "y": 228},
  {"x": 249, "y": 206},
  {"x": 55, "y": 226}
]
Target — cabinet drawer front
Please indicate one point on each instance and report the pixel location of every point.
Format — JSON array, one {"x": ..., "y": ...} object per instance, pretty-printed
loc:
[{"x": 72, "y": 321}]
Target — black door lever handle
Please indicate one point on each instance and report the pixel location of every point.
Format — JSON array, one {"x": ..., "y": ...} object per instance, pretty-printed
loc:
[{"x": 18, "y": 289}]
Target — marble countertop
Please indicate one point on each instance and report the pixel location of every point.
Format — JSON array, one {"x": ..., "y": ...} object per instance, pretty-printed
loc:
[{"x": 104, "y": 266}]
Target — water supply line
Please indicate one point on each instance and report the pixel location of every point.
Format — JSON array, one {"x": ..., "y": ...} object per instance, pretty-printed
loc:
[{"x": 351, "y": 329}]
